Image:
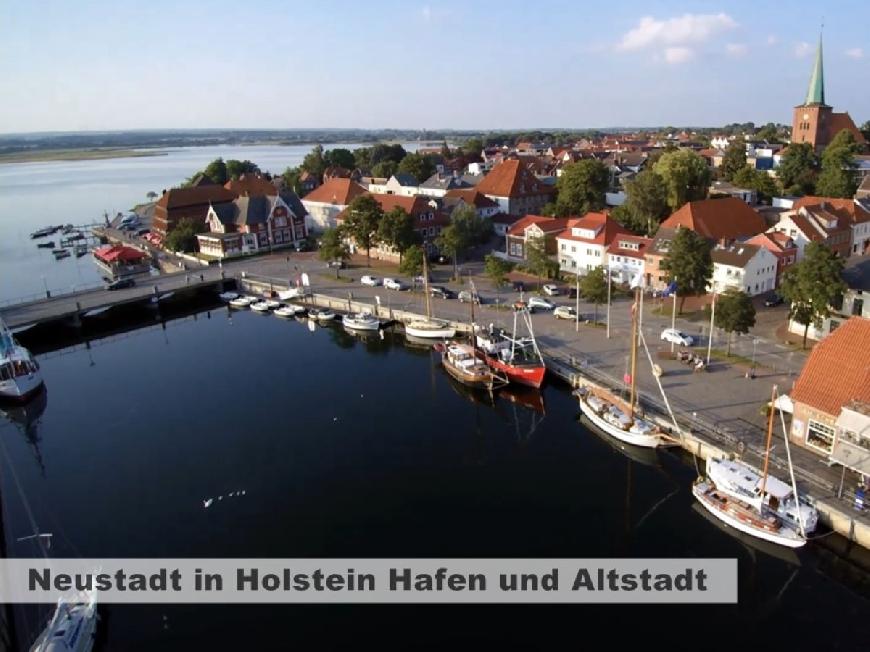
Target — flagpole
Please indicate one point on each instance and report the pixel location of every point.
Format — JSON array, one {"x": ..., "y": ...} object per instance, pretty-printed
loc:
[
  {"x": 674, "y": 315},
  {"x": 609, "y": 275},
  {"x": 710, "y": 339},
  {"x": 577, "y": 306}
]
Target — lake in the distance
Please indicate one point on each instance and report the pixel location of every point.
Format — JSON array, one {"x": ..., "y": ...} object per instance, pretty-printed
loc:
[
  {"x": 322, "y": 445},
  {"x": 33, "y": 195}
]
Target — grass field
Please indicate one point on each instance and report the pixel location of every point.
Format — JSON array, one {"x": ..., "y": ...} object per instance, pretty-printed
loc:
[{"x": 74, "y": 155}]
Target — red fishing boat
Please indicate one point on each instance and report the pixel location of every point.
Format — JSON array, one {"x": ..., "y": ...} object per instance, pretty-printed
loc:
[{"x": 518, "y": 358}]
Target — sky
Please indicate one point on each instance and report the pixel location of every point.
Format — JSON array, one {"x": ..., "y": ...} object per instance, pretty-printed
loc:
[{"x": 478, "y": 64}]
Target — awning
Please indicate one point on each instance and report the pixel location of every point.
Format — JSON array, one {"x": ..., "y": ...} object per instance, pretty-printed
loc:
[
  {"x": 784, "y": 403},
  {"x": 852, "y": 457}
]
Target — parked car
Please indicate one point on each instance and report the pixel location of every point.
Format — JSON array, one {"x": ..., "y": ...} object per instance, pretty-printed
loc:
[
  {"x": 370, "y": 280},
  {"x": 394, "y": 284},
  {"x": 120, "y": 284},
  {"x": 441, "y": 293},
  {"x": 336, "y": 264},
  {"x": 677, "y": 337},
  {"x": 466, "y": 296},
  {"x": 551, "y": 290},
  {"x": 772, "y": 300},
  {"x": 565, "y": 312},
  {"x": 540, "y": 302}
]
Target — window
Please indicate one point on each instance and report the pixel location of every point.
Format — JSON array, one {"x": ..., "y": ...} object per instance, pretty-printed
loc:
[
  {"x": 573, "y": 249},
  {"x": 564, "y": 246},
  {"x": 820, "y": 436}
]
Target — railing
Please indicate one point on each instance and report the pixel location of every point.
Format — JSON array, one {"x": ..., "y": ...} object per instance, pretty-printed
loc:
[{"x": 50, "y": 294}]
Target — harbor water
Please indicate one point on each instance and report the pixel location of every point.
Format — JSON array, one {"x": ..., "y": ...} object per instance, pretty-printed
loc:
[{"x": 233, "y": 434}]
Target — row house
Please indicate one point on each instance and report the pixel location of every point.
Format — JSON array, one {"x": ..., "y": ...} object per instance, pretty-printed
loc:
[
  {"x": 583, "y": 245},
  {"x": 192, "y": 203},
  {"x": 515, "y": 189},
  {"x": 529, "y": 228},
  {"x": 483, "y": 205},
  {"x": 832, "y": 398},
  {"x": 250, "y": 224},
  {"x": 816, "y": 223},
  {"x": 398, "y": 184},
  {"x": 744, "y": 267},
  {"x": 439, "y": 184},
  {"x": 849, "y": 212},
  {"x": 781, "y": 246},
  {"x": 324, "y": 203},
  {"x": 626, "y": 257}
]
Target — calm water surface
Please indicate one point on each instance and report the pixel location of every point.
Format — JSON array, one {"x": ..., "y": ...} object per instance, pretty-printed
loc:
[
  {"x": 33, "y": 195},
  {"x": 346, "y": 448}
]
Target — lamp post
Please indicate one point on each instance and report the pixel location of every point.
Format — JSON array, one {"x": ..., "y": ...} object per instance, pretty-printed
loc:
[{"x": 45, "y": 285}]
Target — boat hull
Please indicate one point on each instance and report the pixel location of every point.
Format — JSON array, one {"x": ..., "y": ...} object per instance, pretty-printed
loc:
[
  {"x": 530, "y": 375},
  {"x": 21, "y": 388},
  {"x": 701, "y": 492},
  {"x": 432, "y": 333},
  {"x": 477, "y": 381},
  {"x": 353, "y": 324},
  {"x": 635, "y": 439}
]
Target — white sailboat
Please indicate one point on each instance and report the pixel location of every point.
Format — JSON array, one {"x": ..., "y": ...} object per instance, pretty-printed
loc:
[
  {"x": 20, "y": 377},
  {"x": 73, "y": 626},
  {"x": 361, "y": 321},
  {"x": 611, "y": 414},
  {"x": 754, "y": 502},
  {"x": 429, "y": 328}
]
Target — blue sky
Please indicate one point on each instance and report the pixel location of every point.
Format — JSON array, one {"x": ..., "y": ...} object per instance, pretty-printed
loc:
[{"x": 474, "y": 64}]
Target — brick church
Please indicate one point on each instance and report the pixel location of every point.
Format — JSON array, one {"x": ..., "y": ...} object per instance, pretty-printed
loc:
[{"x": 814, "y": 121}]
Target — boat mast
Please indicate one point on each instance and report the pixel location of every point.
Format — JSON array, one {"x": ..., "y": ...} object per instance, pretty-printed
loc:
[
  {"x": 767, "y": 444},
  {"x": 633, "y": 372},
  {"x": 426, "y": 287}
]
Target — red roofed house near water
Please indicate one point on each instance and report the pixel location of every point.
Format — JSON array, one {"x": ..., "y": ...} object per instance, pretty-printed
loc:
[
  {"x": 832, "y": 397},
  {"x": 515, "y": 189},
  {"x": 529, "y": 227},
  {"x": 584, "y": 242},
  {"x": 120, "y": 260}
]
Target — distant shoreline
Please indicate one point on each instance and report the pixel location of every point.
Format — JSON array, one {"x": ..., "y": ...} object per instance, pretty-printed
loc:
[{"x": 45, "y": 155}]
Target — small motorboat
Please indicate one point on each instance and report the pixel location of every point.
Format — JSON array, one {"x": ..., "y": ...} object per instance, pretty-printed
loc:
[
  {"x": 361, "y": 321},
  {"x": 228, "y": 296},
  {"x": 41, "y": 233},
  {"x": 430, "y": 328},
  {"x": 241, "y": 302},
  {"x": 46, "y": 245},
  {"x": 323, "y": 314},
  {"x": 61, "y": 253},
  {"x": 289, "y": 310},
  {"x": 272, "y": 304},
  {"x": 81, "y": 250},
  {"x": 261, "y": 306},
  {"x": 73, "y": 626}
]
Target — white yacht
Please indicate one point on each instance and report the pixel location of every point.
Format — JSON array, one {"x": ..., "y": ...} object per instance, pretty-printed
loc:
[
  {"x": 72, "y": 628},
  {"x": 361, "y": 321},
  {"x": 322, "y": 314},
  {"x": 289, "y": 310},
  {"x": 228, "y": 296},
  {"x": 429, "y": 328},
  {"x": 242, "y": 302},
  {"x": 260, "y": 306},
  {"x": 19, "y": 371}
]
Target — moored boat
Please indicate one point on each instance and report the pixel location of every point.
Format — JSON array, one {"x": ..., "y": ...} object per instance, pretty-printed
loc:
[
  {"x": 20, "y": 376},
  {"x": 430, "y": 328},
  {"x": 463, "y": 363},
  {"x": 72, "y": 628},
  {"x": 609, "y": 414},
  {"x": 518, "y": 358},
  {"x": 241, "y": 302},
  {"x": 46, "y": 245},
  {"x": 361, "y": 321},
  {"x": 261, "y": 306},
  {"x": 60, "y": 253},
  {"x": 289, "y": 310},
  {"x": 322, "y": 314},
  {"x": 228, "y": 296}
]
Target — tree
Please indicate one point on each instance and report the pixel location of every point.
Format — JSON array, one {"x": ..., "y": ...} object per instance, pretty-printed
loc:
[
  {"x": 594, "y": 287},
  {"x": 333, "y": 247},
  {"x": 384, "y": 169},
  {"x": 757, "y": 180},
  {"x": 865, "y": 129},
  {"x": 472, "y": 148},
  {"x": 813, "y": 285},
  {"x": 396, "y": 229},
  {"x": 364, "y": 215},
  {"x": 235, "y": 168},
  {"x": 769, "y": 133},
  {"x": 151, "y": 195},
  {"x": 734, "y": 159},
  {"x": 314, "y": 162},
  {"x": 581, "y": 187},
  {"x": 538, "y": 261},
  {"x": 183, "y": 236},
  {"x": 645, "y": 204},
  {"x": 453, "y": 240},
  {"x": 496, "y": 269},
  {"x": 339, "y": 157},
  {"x": 689, "y": 264},
  {"x": 418, "y": 166},
  {"x": 797, "y": 169},
  {"x": 838, "y": 161},
  {"x": 734, "y": 313},
  {"x": 291, "y": 179},
  {"x": 685, "y": 175},
  {"x": 412, "y": 262},
  {"x": 478, "y": 229},
  {"x": 216, "y": 171}
]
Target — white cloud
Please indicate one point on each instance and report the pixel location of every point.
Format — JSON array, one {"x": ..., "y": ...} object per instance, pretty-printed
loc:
[
  {"x": 426, "y": 12},
  {"x": 679, "y": 31},
  {"x": 855, "y": 53},
  {"x": 773, "y": 39},
  {"x": 736, "y": 49},
  {"x": 802, "y": 49},
  {"x": 678, "y": 54}
]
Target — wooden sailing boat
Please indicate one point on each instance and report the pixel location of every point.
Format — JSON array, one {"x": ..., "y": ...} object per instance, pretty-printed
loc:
[
  {"x": 610, "y": 413},
  {"x": 429, "y": 328}
]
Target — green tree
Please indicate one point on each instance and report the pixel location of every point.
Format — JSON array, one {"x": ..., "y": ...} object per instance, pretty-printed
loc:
[
  {"x": 418, "y": 166},
  {"x": 236, "y": 168},
  {"x": 798, "y": 169},
  {"x": 645, "y": 204},
  {"x": 291, "y": 179},
  {"x": 478, "y": 229},
  {"x": 396, "y": 229},
  {"x": 453, "y": 240},
  {"x": 769, "y": 133},
  {"x": 813, "y": 285},
  {"x": 838, "y": 162},
  {"x": 412, "y": 261},
  {"x": 496, "y": 270},
  {"x": 472, "y": 148},
  {"x": 538, "y": 260},
  {"x": 384, "y": 169},
  {"x": 216, "y": 171},
  {"x": 688, "y": 262},
  {"x": 183, "y": 236},
  {"x": 550, "y": 209},
  {"x": 685, "y": 175},
  {"x": 757, "y": 180},
  {"x": 593, "y": 286},
  {"x": 364, "y": 216},
  {"x": 581, "y": 187},
  {"x": 151, "y": 195},
  {"x": 865, "y": 129},
  {"x": 735, "y": 313},
  {"x": 314, "y": 162},
  {"x": 339, "y": 157},
  {"x": 734, "y": 159},
  {"x": 333, "y": 247}
]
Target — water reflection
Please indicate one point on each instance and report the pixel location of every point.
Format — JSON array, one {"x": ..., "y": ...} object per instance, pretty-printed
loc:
[{"x": 25, "y": 418}]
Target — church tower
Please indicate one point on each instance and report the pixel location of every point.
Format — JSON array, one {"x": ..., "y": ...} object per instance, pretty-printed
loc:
[{"x": 812, "y": 119}]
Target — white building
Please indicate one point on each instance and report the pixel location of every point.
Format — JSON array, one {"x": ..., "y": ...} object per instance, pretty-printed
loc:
[
  {"x": 625, "y": 257},
  {"x": 583, "y": 245},
  {"x": 325, "y": 202},
  {"x": 398, "y": 184},
  {"x": 745, "y": 267}
]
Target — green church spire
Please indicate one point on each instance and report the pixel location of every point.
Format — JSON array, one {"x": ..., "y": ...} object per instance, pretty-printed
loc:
[{"x": 816, "y": 91}]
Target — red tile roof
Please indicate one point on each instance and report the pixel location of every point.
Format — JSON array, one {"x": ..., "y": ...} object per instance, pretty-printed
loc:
[
  {"x": 336, "y": 191},
  {"x": 195, "y": 196},
  {"x": 609, "y": 229},
  {"x": 615, "y": 250},
  {"x": 840, "y": 121},
  {"x": 715, "y": 219},
  {"x": 118, "y": 253},
  {"x": 775, "y": 242},
  {"x": 848, "y": 209},
  {"x": 546, "y": 224},
  {"x": 512, "y": 178},
  {"x": 252, "y": 185},
  {"x": 838, "y": 369},
  {"x": 472, "y": 197}
]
